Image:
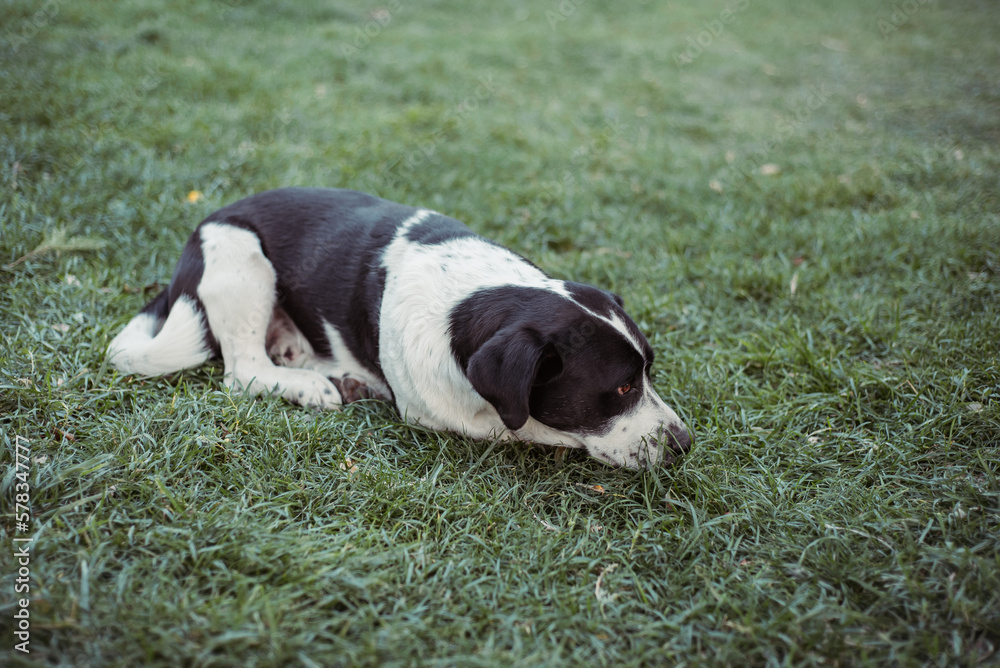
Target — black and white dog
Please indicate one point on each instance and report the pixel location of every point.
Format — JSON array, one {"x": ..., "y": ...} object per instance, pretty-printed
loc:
[{"x": 324, "y": 296}]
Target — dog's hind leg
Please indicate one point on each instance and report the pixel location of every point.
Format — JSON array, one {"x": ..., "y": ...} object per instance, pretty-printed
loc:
[
  {"x": 288, "y": 347},
  {"x": 237, "y": 290}
]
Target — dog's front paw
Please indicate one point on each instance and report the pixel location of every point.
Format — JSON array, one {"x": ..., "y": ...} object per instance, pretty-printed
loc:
[
  {"x": 352, "y": 389},
  {"x": 317, "y": 393},
  {"x": 308, "y": 388},
  {"x": 299, "y": 386}
]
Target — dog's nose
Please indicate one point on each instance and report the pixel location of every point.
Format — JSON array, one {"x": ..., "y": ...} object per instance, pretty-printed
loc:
[
  {"x": 677, "y": 437},
  {"x": 680, "y": 438}
]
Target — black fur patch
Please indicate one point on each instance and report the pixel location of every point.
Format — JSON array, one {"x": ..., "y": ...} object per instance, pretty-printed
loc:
[
  {"x": 529, "y": 351},
  {"x": 438, "y": 229}
]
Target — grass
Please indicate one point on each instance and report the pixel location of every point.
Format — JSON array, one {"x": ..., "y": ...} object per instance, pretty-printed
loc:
[{"x": 803, "y": 218}]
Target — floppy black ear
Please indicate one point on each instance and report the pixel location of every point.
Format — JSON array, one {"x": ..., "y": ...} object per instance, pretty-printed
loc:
[
  {"x": 503, "y": 370},
  {"x": 617, "y": 298}
]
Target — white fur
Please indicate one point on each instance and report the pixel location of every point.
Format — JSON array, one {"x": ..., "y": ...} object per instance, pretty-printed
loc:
[
  {"x": 146, "y": 348},
  {"x": 237, "y": 290}
]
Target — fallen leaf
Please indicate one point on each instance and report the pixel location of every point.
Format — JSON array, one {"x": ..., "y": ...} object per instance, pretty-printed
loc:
[
  {"x": 560, "y": 455},
  {"x": 715, "y": 185},
  {"x": 60, "y": 241},
  {"x": 793, "y": 286},
  {"x": 546, "y": 525},
  {"x": 769, "y": 169},
  {"x": 601, "y": 596},
  {"x": 594, "y": 488}
]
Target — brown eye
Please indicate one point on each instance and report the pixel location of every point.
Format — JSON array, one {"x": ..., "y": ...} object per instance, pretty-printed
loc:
[{"x": 624, "y": 389}]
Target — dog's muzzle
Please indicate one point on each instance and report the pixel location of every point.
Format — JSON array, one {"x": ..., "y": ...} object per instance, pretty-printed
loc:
[{"x": 673, "y": 440}]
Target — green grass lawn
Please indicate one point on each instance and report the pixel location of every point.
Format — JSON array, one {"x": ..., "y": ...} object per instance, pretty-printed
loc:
[{"x": 800, "y": 205}]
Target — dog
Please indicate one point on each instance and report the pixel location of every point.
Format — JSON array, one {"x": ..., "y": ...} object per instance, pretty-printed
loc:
[{"x": 325, "y": 296}]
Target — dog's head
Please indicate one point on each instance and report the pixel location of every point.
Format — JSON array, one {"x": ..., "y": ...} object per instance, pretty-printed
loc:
[{"x": 574, "y": 362}]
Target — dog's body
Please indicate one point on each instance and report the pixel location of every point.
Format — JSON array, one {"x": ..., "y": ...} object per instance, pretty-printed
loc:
[{"x": 324, "y": 296}]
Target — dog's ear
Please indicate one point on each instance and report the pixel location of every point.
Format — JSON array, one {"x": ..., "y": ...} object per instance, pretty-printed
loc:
[
  {"x": 617, "y": 299},
  {"x": 506, "y": 367}
]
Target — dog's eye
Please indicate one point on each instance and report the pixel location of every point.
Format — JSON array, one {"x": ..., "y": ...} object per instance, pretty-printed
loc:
[{"x": 625, "y": 389}]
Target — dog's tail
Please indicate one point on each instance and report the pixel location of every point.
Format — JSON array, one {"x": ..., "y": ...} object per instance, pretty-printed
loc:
[{"x": 162, "y": 338}]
